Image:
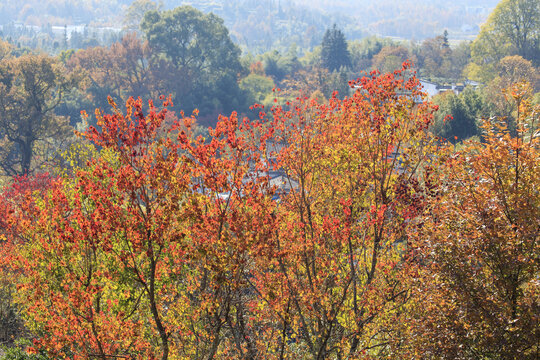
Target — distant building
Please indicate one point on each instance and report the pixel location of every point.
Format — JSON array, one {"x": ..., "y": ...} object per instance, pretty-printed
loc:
[
  {"x": 429, "y": 87},
  {"x": 432, "y": 88}
]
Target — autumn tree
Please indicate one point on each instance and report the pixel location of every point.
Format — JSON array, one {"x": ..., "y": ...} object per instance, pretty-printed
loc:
[
  {"x": 477, "y": 250},
  {"x": 101, "y": 243},
  {"x": 143, "y": 250},
  {"x": 515, "y": 69},
  {"x": 230, "y": 221},
  {"x": 12, "y": 327},
  {"x": 5, "y": 50},
  {"x": 96, "y": 67},
  {"x": 435, "y": 57},
  {"x": 331, "y": 284},
  {"x": 498, "y": 102},
  {"x": 31, "y": 87},
  {"x": 121, "y": 71},
  {"x": 390, "y": 58},
  {"x": 131, "y": 56}
]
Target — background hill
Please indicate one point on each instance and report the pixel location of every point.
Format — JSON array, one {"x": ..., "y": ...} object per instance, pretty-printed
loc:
[{"x": 259, "y": 25}]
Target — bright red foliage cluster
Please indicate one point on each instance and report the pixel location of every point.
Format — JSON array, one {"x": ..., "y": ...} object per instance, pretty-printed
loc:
[{"x": 299, "y": 235}]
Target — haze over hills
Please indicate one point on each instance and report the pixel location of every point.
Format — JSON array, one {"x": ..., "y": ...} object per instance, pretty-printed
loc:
[
  {"x": 260, "y": 25},
  {"x": 411, "y": 18}
]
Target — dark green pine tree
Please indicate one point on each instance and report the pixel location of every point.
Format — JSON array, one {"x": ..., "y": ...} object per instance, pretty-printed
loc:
[
  {"x": 334, "y": 52},
  {"x": 445, "y": 43}
]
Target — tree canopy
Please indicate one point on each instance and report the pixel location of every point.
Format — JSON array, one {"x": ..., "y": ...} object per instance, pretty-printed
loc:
[
  {"x": 513, "y": 28},
  {"x": 457, "y": 117},
  {"x": 476, "y": 277},
  {"x": 334, "y": 53},
  {"x": 31, "y": 87},
  {"x": 203, "y": 62}
]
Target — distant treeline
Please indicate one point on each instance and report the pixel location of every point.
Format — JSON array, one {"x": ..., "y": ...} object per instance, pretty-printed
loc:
[{"x": 261, "y": 25}]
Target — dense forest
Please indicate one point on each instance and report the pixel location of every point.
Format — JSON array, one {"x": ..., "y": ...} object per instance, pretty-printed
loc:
[{"x": 269, "y": 180}]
